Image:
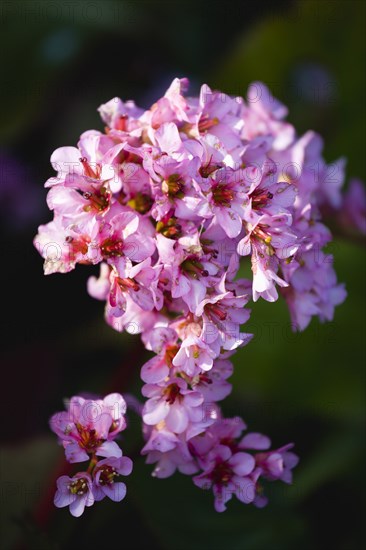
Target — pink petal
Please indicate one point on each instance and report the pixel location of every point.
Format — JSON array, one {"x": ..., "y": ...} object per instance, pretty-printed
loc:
[
  {"x": 125, "y": 466},
  {"x": 244, "y": 489},
  {"x": 255, "y": 441},
  {"x": 77, "y": 506},
  {"x": 154, "y": 370},
  {"x": 62, "y": 499},
  {"x": 154, "y": 411},
  {"x": 177, "y": 419},
  {"x": 115, "y": 491},
  {"x": 109, "y": 449},
  {"x": 242, "y": 463}
]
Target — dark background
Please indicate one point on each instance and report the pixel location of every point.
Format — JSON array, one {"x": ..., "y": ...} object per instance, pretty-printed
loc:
[{"x": 60, "y": 61}]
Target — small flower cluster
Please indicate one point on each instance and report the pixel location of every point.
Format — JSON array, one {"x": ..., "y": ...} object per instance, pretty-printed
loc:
[
  {"x": 168, "y": 201},
  {"x": 230, "y": 467},
  {"x": 87, "y": 431}
]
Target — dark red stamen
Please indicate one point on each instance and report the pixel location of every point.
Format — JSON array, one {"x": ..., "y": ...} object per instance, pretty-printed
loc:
[
  {"x": 121, "y": 124},
  {"x": 128, "y": 284},
  {"x": 205, "y": 123},
  {"x": 222, "y": 474},
  {"x": 260, "y": 197},
  {"x": 222, "y": 195},
  {"x": 88, "y": 170},
  {"x": 171, "y": 393},
  {"x": 112, "y": 247},
  {"x": 213, "y": 310},
  {"x": 194, "y": 268}
]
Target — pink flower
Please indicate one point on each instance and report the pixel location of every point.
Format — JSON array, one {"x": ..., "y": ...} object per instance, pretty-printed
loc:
[
  {"x": 313, "y": 289},
  {"x": 225, "y": 200},
  {"x": 268, "y": 240},
  {"x": 222, "y": 314},
  {"x": 194, "y": 356},
  {"x": 173, "y": 188},
  {"x": 88, "y": 427},
  {"x": 124, "y": 234},
  {"x": 169, "y": 201},
  {"x": 75, "y": 492},
  {"x": 174, "y": 403},
  {"x": 214, "y": 385},
  {"x": 266, "y": 194},
  {"x": 104, "y": 474},
  {"x": 263, "y": 116},
  {"x": 122, "y": 118},
  {"x": 186, "y": 272},
  {"x": 170, "y": 460},
  {"x": 227, "y": 473},
  {"x": 277, "y": 464},
  {"x": 224, "y": 431},
  {"x": 163, "y": 341},
  {"x": 135, "y": 280},
  {"x": 229, "y": 466}
]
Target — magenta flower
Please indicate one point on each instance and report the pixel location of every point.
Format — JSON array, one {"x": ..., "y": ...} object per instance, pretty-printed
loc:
[
  {"x": 194, "y": 356},
  {"x": 174, "y": 403},
  {"x": 230, "y": 467},
  {"x": 168, "y": 460},
  {"x": 104, "y": 478},
  {"x": 163, "y": 341},
  {"x": 225, "y": 195},
  {"x": 75, "y": 492},
  {"x": 169, "y": 201},
  {"x": 88, "y": 427},
  {"x": 227, "y": 473},
  {"x": 313, "y": 289}
]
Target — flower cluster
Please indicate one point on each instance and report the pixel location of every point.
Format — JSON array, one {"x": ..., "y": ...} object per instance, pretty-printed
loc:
[
  {"x": 231, "y": 468},
  {"x": 168, "y": 201},
  {"x": 87, "y": 431}
]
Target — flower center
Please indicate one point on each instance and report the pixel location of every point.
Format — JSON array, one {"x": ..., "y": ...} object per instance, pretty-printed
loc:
[
  {"x": 127, "y": 284},
  {"x": 204, "y": 379},
  {"x": 88, "y": 439},
  {"x": 78, "y": 486},
  {"x": 141, "y": 203},
  {"x": 107, "y": 475},
  {"x": 112, "y": 247},
  {"x": 207, "y": 248},
  {"x": 222, "y": 194},
  {"x": 173, "y": 186},
  {"x": 169, "y": 228},
  {"x": 99, "y": 201},
  {"x": 194, "y": 268},
  {"x": 260, "y": 198},
  {"x": 207, "y": 169},
  {"x": 215, "y": 312},
  {"x": 171, "y": 393},
  {"x": 222, "y": 474},
  {"x": 170, "y": 352},
  {"x": 260, "y": 232},
  {"x": 229, "y": 442},
  {"x": 77, "y": 246},
  {"x": 88, "y": 170}
]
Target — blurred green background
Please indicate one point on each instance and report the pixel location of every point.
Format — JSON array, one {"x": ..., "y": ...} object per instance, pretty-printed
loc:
[{"x": 60, "y": 61}]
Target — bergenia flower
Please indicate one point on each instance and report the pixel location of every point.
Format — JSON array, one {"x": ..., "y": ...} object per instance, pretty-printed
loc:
[
  {"x": 105, "y": 476},
  {"x": 75, "y": 492},
  {"x": 88, "y": 427},
  {"x": 228, "y": 474},
  {"x": 168, "y": 201}
]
